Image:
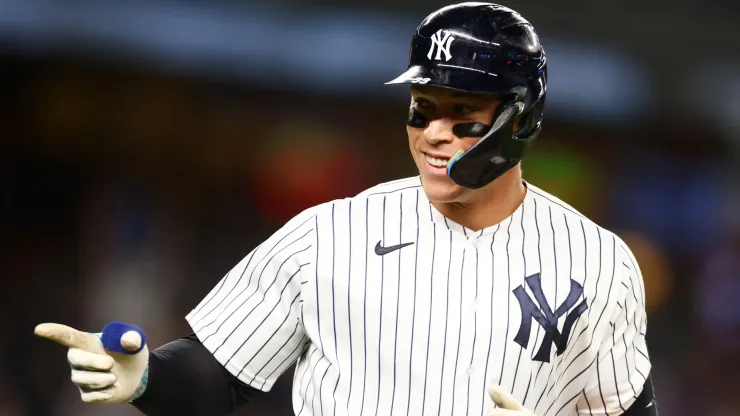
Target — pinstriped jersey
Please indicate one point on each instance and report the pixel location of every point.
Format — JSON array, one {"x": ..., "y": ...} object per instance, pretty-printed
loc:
[{"x": 389, "y": 308}]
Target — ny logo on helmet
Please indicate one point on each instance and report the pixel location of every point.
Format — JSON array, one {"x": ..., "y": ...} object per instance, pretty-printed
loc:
[{"x": 442, "y": 42}]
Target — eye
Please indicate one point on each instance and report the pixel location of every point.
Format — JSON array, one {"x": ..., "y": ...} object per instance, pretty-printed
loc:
[
  {"x": 464, "y": 109},
  {"x": 422, "y": 104}
]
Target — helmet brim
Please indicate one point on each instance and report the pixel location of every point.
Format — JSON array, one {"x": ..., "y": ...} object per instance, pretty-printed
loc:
[{"x": 456, "y": 78}]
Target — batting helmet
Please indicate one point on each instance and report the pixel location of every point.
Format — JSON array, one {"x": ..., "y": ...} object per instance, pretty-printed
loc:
[{"x": 483, "y": 48}]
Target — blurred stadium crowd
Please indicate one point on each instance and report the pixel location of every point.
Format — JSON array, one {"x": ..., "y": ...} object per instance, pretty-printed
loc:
[{"x": 129, "y": 187}]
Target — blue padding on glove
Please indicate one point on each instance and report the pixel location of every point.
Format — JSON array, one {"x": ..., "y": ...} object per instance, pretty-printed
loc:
[{"x": 112, "y": 333}]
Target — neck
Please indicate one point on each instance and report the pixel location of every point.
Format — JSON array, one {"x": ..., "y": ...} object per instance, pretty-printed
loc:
[{"x": 489, "y": 205}]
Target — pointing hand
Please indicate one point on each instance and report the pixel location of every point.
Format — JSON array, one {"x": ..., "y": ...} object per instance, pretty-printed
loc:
[{"x": 110, "y": 367}]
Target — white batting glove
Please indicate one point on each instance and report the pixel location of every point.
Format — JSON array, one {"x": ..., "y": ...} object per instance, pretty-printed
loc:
[
  {"x": 110, "y": 367},
  {"x": 507, "y": 404}
]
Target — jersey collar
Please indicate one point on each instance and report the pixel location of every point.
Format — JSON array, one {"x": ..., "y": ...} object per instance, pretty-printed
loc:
[{"x": 437, "y": 218}]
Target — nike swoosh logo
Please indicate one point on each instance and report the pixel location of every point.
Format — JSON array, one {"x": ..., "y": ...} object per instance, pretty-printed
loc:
[{"x": 382, "y": 251}]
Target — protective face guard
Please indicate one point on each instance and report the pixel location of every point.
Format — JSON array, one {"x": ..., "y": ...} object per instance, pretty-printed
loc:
[{"x": 493, "y": 154}]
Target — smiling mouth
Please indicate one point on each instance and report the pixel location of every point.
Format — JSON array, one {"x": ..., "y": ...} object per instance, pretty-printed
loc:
[{"x": 436, "y": 162}]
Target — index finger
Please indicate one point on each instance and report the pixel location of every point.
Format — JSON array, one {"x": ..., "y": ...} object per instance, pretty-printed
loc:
[{"x": 69, "y": 337}]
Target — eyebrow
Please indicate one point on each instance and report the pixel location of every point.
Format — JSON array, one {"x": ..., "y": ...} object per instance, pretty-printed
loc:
[{"x": 470, "y": 97}]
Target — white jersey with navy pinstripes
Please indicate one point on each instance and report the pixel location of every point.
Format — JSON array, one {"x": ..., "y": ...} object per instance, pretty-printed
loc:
[{"x": 389, "y": 308}]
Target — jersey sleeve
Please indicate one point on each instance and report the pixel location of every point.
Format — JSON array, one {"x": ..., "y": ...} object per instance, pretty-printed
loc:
[
  {"x": 250, "y": 321},
  {"x": 622, "y": 364}
]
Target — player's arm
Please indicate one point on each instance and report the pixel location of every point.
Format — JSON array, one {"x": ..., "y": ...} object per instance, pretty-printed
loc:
[
  {"x": 184, "y": 378},
  {"x": 247, "y": 332},
  {"x": 619, "y": 381}
]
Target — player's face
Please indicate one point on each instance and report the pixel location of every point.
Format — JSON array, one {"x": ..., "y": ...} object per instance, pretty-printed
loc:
[{"x": 432, "y": 146}]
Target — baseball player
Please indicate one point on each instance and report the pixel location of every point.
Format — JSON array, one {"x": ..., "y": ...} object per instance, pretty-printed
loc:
[{"x": 462, "y": 291}]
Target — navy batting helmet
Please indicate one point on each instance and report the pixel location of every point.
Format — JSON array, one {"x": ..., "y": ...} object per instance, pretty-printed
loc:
[{"x": 491, "y": 49}]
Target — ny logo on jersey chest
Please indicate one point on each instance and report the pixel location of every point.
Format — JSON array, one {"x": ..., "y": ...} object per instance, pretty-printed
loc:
[{"x": 543, "y": 314}]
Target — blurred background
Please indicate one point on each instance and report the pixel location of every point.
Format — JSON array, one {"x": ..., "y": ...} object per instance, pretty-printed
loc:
[{"x": 147, "y": 146}]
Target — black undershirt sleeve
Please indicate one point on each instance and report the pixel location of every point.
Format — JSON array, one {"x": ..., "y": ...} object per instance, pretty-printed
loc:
[
  {"x": 185, "y": 379},
  {"x": 645, "y": 404}
]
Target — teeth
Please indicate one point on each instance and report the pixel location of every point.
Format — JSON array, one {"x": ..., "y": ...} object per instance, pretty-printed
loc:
[{"x": 439, "y": 163}]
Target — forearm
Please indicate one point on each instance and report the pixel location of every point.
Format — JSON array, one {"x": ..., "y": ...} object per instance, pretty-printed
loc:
[{"x": 185, "y": 378}]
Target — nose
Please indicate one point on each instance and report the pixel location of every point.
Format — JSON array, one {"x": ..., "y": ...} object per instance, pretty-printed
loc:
[{"x": 439, "y": 131}]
